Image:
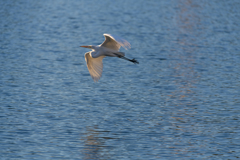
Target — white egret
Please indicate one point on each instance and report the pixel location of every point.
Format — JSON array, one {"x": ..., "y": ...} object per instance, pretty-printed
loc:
[{"x": 110, "y": 47}]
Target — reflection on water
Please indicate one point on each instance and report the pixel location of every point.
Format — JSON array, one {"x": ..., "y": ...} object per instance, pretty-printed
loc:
[
  {"x": 93, "y": 144},
  {"x": 187, "y": 49}
]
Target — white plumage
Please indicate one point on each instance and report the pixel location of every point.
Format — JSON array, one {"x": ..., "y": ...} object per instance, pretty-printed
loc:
[{"x": 110, "y": 47}]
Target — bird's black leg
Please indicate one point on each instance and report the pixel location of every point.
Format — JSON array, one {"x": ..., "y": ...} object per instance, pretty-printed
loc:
[{"x": 131, "y": 60}]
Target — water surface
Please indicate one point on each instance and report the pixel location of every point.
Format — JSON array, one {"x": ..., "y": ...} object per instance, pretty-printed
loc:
[{"x": 180, "y": 102}]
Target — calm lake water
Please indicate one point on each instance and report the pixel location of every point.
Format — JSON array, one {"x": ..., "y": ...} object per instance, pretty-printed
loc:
[{"x": 181, "y": 102}]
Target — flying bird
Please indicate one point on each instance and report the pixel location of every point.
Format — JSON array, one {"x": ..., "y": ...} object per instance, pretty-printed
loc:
[{"x": 110, "y": 47}]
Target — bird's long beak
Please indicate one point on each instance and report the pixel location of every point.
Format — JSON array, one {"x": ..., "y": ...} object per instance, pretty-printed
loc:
[{"x": 85, "y": 46}]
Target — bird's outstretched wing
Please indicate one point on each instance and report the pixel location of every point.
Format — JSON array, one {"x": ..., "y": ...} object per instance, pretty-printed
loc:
[
  {"x": 115, "y": 42},
  {"x": 95, "y": 66}
]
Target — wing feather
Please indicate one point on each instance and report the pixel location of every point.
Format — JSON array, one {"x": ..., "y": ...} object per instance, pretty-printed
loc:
[
  {"x": 95, "y": 66},
  {"x": 115, "y": 42}
]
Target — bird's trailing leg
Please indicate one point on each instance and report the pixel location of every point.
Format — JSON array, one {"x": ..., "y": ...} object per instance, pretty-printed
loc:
[{"x": 131, "y": 60}]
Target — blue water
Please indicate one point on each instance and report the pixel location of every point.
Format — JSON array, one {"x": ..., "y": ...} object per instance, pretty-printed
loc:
[{"x": 181, "y": 102}]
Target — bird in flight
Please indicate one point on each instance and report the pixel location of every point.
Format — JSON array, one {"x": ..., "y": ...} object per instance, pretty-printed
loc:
[{"x": 110, "y": 47}]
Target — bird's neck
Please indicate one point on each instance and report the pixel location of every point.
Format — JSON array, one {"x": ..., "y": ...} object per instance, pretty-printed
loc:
[{"x": 95, "y": 48}]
